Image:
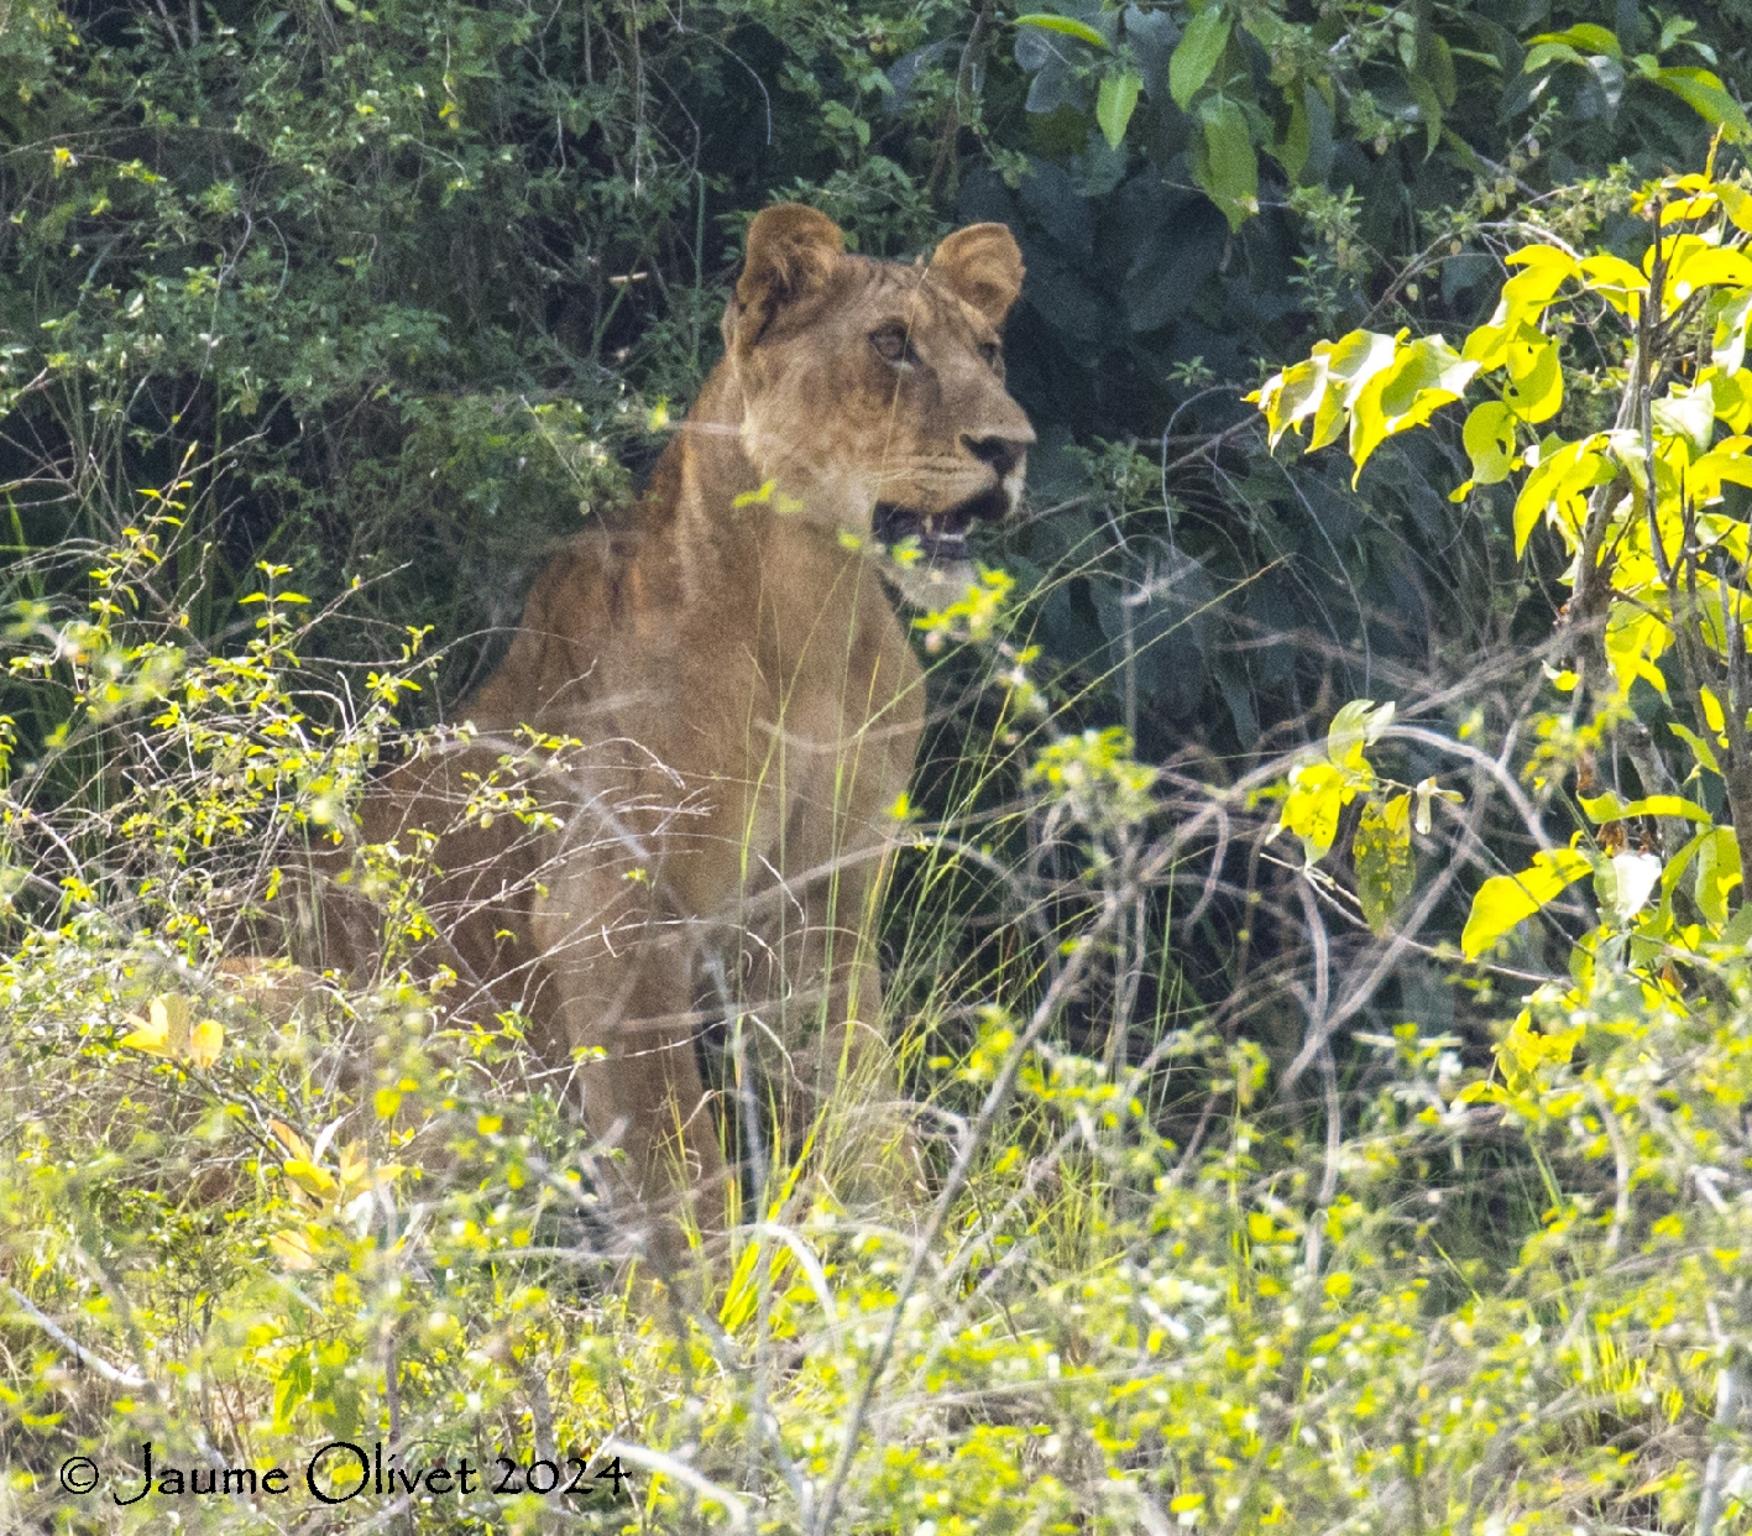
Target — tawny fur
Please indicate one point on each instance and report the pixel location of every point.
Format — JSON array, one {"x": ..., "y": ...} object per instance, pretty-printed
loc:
[{"x": 746, "y": 703}]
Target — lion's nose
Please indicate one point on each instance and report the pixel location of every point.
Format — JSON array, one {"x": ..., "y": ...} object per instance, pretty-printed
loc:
[{"x": 1002, "y": 453}]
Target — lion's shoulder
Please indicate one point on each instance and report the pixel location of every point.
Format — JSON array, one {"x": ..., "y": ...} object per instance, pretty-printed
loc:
[{"x": 597, "y": 592}]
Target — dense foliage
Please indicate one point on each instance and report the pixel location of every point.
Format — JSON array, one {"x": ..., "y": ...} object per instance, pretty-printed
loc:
[{"x": 1387, "y": 1174}]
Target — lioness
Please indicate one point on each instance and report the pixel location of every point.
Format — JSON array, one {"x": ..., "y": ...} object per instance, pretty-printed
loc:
[{"x": 745, "y": 698}]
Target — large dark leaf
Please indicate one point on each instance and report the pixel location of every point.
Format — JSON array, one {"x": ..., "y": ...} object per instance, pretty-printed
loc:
[
  {"x": 1174, "y": 258},
  {"x": 1055, "y": 202},
  {"x": 1152, "y": 36}
]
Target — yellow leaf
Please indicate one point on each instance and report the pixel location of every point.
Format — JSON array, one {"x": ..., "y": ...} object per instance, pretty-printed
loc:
[
  {"x": 1488, "y": 346},
  {"x": 1424, "y": 376},
  {"x": 1634, "y": 642},
  {"x": 1730, "y": 398},
  {"x": 1549, "y": 264},
  {"x": 289, "y": 1138},
  {"x": 1616, "y": 281},
  {"x": 205, "y": 1042},
  {"x": 1325, "y": 386},
  {"x": 757, "y": 497},
  {"x": 308, "y": 1176},
  {"x": 1505, "y": 901},
  {"x": 1489, "y": 439},
  {"x": 1559, "y": 483},
  {"x": 1525, "y": 1049},
  {"x": 154, "y": 1034},
  {"x": 1727, "y": 463},
  {"x": 1698, "y": 264},
  {"x": 1608, "y": 807},
  {"x": 170, "y": 1030},
  {"x": 1382, "y": 854},
  {"x": 1713, "y": 714},
  {"x": 1288, "y": 397},
  {"x": 1318, "y": 794},
  {"x": 294, "y": 1249},
  {"x": 1535, "y": 388}
]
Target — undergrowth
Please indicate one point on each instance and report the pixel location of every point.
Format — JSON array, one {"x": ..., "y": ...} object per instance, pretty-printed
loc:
[{"x": 250, "y": 1212}]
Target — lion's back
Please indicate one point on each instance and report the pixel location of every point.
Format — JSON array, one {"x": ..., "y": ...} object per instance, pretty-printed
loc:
[{"x": 592, "y": 605}]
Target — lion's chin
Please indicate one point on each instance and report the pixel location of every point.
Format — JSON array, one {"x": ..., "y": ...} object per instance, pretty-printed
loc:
[{"x": 930, "y": 585}]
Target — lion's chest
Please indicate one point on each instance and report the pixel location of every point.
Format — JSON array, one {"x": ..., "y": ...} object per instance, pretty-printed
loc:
[
  {"x": 776, "y": 715},
  {"x": 835, "y": 712}
]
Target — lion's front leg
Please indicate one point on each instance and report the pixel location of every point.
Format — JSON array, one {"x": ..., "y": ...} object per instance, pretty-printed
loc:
[
  {"x": 618, "y": 1020},
  {"x": 837, "y": 1074}
]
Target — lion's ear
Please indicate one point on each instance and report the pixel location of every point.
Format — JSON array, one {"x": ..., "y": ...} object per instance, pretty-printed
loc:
[
  {"x": 792, "y": 251},
  {"x": 981, "y": 264}
]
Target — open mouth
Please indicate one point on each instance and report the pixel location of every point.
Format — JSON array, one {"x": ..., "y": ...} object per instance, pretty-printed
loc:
[{"x": 939, "y": 535}]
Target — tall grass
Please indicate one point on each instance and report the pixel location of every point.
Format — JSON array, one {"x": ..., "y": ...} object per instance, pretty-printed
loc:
[{"x": 247, "y": 1211}]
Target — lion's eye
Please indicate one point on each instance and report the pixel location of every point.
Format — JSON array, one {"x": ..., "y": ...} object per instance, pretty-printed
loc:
[
  {"x": 891, "y": 344},
  {"x": 992, "y": 353}
]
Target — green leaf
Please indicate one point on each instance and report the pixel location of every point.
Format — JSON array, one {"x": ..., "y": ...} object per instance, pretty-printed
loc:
[
  {"x": 1115, "y": 102},
  {"x": 1505, "y": 901},
  {"x": 1196, "y": 54},
  {"x": 1704, "y": 93},
  {"x": 1737, "y": 931},
  {"x": 1585, "y": 36},
  {"x": 1737, "y": 204},
  {"x": 1439, "y": 65},
  {"x": 1542, "y": 54},
  {"x": 1385, "y": 869},
  {"x": 1292, "y": 152},
  {"x": 1429, "y": 108},
  {"x": 1230, "y": 164},
  {"x": 1070, "y": 26}
]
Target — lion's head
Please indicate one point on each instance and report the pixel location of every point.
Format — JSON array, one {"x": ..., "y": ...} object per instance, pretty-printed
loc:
[{"x": 873, "y": 391}]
